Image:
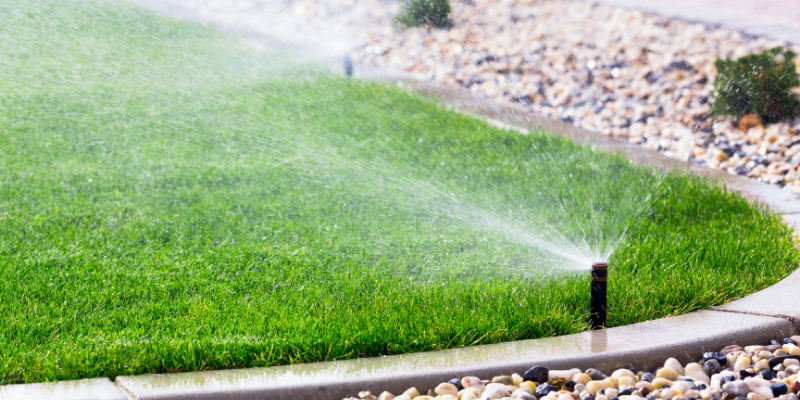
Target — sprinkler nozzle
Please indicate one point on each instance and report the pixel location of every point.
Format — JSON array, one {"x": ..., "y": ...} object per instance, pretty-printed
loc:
[
  {"x": 348, "y": 65},
  {"x": 598, "y": 300}
]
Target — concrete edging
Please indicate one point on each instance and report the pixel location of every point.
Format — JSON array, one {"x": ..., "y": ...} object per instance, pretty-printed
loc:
[{"x": 643, "y": 345}]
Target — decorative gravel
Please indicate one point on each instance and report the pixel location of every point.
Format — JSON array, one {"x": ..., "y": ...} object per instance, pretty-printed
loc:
[
  {"x": 733, "y": 373},
  {"x": 615, "y": 71}
]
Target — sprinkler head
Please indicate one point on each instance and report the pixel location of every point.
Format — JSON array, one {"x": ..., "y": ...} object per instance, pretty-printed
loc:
[
  {"x": 598, "y": 299},
  {"x": 348, "y": 66}
]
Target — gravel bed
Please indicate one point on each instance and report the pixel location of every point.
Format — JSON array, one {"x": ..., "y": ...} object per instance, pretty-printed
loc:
[
  {"x": 610, "y": 70},
  {"x": 733, "y": 373},
  {"x": 615, "y": 71}
]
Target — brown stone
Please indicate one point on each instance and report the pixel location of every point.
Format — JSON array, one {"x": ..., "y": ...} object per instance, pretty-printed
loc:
[
  {"x": 749, "y": 121},
  {"x": 730, "y": 349}
]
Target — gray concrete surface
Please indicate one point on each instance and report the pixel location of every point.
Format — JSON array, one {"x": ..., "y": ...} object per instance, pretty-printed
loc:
[
  {"x": 83, "y": 389},
  {"x": 776, "y": 19},
  {"x": 644, "y": 345},
  {"x": 781, "y": 300}
]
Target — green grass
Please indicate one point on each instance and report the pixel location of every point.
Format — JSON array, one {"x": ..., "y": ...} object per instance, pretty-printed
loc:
[{"x": 171, "y": 200}]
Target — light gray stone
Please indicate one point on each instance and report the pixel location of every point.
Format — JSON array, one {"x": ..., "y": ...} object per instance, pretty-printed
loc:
[{"x": 737, "y": 388}]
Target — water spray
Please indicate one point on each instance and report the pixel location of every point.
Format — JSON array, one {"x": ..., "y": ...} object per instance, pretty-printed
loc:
[{"x": 598, "y": 301}]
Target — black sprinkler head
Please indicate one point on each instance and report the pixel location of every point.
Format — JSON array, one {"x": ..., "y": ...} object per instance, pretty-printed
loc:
[
  {"x": 348, "y": 66},
  {"x": 598, "y": 299}
]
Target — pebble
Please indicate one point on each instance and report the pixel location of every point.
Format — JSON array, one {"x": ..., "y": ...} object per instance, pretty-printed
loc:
[
  {"x": 446, "y": 388},
  {"x": 536, "y": 374},
  {"x": 760, "y": 386},
  {"x": 741, "y": 363},
  {"x": 721, "y": 358},
  {"x": 668, "y": 394},
  {"x": 471, "y": 381},
  {"x": 695, "y": 371},
  {"x": 731, "y": 349},
  {"x": 366, "y": 395},
  {"x": 680, "y": 386},
  {"x": 736, "y": 388},
  {"x": 563, "y": 374},
  {"x": 565, "y": 396},
  {"x": 711, "y": 367},
  {"x": 658, "y": 383},
  {"x": 495, "y": 392},
  {"x": 778, "y": 388},
  {"x": 386, "y": 396},
  {"x": 544, "y": 389},
  {"x": 521, "y": 394},
  {"x": 674, "y": 365},
  {"x": 623, "y": 384},
  {"x": 595, "y": 374},
  {"x": 768, "y": 374},
  {"x": 667, "y": 373},
  {"x": 456, "y": 382},
  {"x": 594, "y": 387},
  {"x": 581, "y": 379},
  {"x": 505, "y": 380}
]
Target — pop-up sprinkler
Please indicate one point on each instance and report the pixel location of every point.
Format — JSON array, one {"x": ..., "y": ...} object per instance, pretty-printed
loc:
[
  {"x": 598, "y": 301},
  {"x": 348, "y": 66}
]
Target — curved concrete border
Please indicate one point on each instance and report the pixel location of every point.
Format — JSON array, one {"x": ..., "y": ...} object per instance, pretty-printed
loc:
[{"x": 644, "y": 345}]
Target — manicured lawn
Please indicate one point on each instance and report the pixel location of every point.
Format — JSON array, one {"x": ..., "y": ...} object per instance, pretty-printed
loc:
[{"x": 172, "y": 200}]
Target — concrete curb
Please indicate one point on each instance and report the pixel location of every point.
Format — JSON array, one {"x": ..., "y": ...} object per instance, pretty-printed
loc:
[
  {"x": 643, "y": 345},
  {"x": 81, "y": 389}
]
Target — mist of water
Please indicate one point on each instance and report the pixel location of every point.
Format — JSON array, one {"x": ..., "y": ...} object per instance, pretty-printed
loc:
[
  {"x": 581, "y": 223},
  {"x": 566, "y": 223}
]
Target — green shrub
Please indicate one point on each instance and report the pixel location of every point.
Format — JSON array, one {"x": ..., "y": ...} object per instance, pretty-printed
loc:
[
  {"x": 420, "y": 12},
  {"x": 758, "y": 84}
]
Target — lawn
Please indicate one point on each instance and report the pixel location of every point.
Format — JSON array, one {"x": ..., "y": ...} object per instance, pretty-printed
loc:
[{"x": 174, "y": 200}]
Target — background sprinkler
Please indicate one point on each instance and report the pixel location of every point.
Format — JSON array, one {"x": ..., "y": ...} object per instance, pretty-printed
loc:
[
  {"x": 348, "y": 65},
  {"x": 598, "y": 301}
]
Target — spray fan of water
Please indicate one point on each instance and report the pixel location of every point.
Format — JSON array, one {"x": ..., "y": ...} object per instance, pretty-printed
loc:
[{"x": 569, "y": 220}]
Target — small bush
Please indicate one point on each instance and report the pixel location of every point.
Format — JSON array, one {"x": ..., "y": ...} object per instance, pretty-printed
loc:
[
  {"x": 421, "y": 12},
  {"x": 758, "y": 84}
]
